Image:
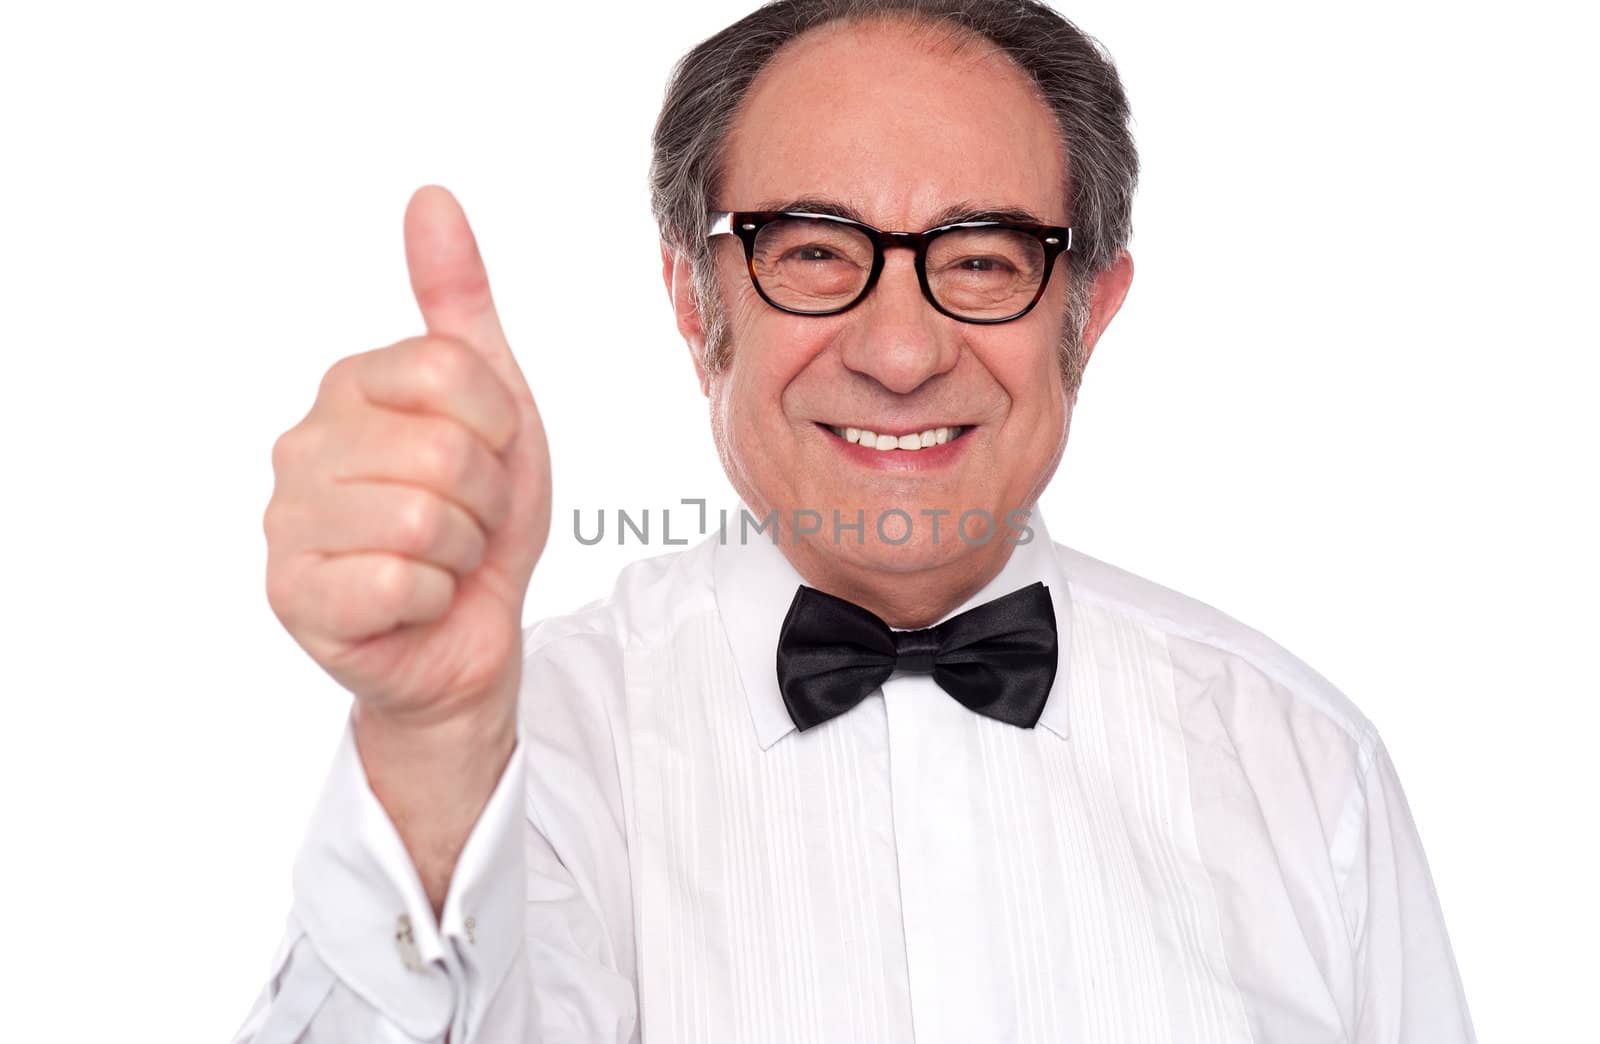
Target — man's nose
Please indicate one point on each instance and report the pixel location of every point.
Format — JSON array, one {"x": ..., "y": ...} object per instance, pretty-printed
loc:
[{"x": 898, "y": 339}]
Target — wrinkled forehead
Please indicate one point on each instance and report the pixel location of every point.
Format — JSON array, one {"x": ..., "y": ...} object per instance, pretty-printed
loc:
[{"x": 898, "y": 121}]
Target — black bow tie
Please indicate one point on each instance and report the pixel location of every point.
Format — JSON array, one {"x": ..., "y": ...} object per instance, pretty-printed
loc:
[{"x": 997, "y": 659}]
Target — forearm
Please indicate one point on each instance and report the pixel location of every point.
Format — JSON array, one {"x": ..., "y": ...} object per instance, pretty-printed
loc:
[{"x": 433, "y": 781}]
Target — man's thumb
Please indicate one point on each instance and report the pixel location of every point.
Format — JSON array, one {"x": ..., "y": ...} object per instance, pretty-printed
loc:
[{"x": 447, "y": 274}]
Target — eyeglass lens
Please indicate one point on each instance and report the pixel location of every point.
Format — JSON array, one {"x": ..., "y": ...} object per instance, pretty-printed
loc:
[{"x": 817, "y": 266}]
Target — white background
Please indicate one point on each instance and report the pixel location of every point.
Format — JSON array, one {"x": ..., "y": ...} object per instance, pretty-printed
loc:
[{"x": 1350, "y": 401}]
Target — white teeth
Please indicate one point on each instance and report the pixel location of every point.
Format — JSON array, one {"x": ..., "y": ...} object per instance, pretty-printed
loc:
[{"x": 913, "y": 441}]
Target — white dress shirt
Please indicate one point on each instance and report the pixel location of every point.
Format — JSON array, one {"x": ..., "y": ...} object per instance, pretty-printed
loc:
[{"x": 1201, "y": 841}]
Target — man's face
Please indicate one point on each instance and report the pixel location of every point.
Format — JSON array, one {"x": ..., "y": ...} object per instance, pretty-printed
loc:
[{"x": 897, "y": 128}]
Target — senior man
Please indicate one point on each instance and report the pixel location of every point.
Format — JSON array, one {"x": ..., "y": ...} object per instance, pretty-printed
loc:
[{"x": 853, "y": 776}]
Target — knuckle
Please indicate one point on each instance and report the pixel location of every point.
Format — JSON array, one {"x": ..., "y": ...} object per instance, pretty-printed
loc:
[
  {"x": 391, "y": 581},
  {"x": 286, "y": 451},
  {"x": 295, "y": 450},
  {"x": 275, "y": 521},
  {"x": 441, "y": 364},
  {"x": 418, "y": 523},
  {"x": 337, "y": 377},
  {"x": 445, "y": 455}
]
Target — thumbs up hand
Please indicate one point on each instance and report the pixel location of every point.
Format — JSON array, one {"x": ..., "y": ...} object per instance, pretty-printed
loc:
[
  {"x": 413, "y": 501},
  {"x": 409, "y": 508}
]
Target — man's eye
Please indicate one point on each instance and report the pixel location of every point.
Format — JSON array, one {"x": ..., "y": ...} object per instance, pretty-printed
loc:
[
  {"x": 982, "y": 264},
  {"x": 812, "y": 253}
]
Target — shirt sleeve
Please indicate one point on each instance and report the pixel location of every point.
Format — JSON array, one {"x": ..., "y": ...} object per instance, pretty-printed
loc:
[
  {"x": 363, "y": 957},
  {"x": 1408, "y": 989},
  {"x": 534, "y": 941}
]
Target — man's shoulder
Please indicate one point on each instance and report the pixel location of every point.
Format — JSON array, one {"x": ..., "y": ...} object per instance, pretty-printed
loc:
[
  {"x": 1209, "y": 642},
  {"x": 647, "y": 595}
]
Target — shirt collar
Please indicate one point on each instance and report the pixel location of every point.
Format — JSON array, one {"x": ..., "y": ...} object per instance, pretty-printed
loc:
[{"x": 754, "y": 584}]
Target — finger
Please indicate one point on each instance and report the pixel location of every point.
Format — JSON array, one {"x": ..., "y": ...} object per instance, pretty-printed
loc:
[
  {"x": 434, "y": 453},
  {"x": 380, "y": 516},
  {"x": 442, "y": 376},
  {"x": 447, "y": 274},
  {"x": 363, "y": 594}
]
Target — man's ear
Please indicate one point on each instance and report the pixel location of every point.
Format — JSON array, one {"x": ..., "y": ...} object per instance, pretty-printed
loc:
[
  {"x": 675, "y": 272},
  {"x": 1105, "y": 298}
]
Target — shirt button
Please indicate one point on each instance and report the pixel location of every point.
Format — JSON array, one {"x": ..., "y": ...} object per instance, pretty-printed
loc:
[{"x": 472, "y": 930}]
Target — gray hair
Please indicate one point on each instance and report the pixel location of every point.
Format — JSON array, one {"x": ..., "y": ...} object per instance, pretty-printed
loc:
[{"x": 1071, "y": 70}]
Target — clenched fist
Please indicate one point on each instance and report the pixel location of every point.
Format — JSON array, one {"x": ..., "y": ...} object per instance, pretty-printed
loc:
[{"x": 409, "y": 508}]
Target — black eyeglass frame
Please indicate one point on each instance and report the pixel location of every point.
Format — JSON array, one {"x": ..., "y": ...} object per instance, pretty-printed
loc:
[{"x": 746, "y": 224}]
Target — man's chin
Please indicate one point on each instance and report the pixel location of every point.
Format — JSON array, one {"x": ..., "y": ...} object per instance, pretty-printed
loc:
[{"x": 919, "y": 553}]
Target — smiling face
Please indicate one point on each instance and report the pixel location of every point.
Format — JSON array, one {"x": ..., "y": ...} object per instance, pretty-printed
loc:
[{"x": 904, "y": 130}]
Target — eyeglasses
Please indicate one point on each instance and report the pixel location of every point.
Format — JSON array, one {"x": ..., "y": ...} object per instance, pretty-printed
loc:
[{"x": 818, "y": 264}]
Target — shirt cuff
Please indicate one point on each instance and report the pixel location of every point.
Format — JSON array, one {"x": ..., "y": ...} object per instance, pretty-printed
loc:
[{"x": 364, "y": 910}]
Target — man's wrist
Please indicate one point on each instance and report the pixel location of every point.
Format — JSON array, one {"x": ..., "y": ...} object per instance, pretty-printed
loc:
[{"x": 434, "y": 780}]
